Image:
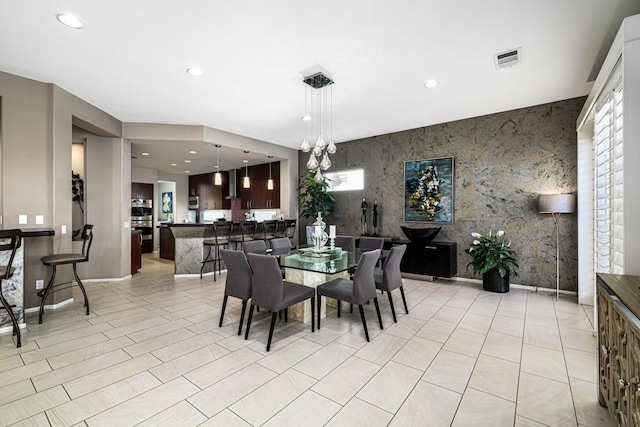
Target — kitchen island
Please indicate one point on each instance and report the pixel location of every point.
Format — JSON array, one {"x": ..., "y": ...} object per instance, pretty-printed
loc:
[{"x": 188, "y": 248}]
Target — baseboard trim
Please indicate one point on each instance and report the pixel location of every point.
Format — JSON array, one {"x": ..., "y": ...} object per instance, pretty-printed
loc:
[
  {"x": 109, "y": 279},
  {"x": 478, "y": 281},
  {"x": 50, "y": 306}
]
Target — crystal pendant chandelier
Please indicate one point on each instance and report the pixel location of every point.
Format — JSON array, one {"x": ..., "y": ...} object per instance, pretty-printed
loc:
[{"x": 322, "y": 117}]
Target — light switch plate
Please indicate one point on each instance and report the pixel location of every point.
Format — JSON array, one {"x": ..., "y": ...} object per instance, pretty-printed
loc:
[
  {"x": 39, "y": 284},
  {"x": 126, "y": 224},
  {"x": 63, "y": 229},
  {"x": 39, "y": 219},
  {"x": 22, "y": 219}
]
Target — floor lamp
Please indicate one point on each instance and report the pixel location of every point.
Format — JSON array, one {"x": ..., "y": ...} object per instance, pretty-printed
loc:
[{"x": 556, "y": 205}]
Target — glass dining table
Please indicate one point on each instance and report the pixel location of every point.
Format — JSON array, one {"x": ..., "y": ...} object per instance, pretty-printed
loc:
[{"x": 308, "y": 267}]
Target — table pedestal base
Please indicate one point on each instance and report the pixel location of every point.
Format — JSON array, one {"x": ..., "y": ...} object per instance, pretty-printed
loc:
[{"x": 302, "y": 311}]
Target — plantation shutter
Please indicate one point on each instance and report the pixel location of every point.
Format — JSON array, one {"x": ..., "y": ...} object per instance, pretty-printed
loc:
[{"x": 608, "y": 182}]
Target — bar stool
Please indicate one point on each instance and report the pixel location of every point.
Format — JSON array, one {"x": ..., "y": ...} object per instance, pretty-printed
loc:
[
  {"x": 216, "y": 236},
  {"x": 6, "y": 272},
  {"x": 70, "y": 258},
  {"x": 269, "y": 229},
  {"x": 247, "y": 233}
]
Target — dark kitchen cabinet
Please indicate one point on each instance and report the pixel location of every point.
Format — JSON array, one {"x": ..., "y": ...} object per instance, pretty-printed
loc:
[
  {"x": 211, "y": 197},
  {"x": 136, "y": 251},
  {"x": 257, "y": 196},
  {"x": 167, "y": 244},
  {"x": 141, "y": 190}
]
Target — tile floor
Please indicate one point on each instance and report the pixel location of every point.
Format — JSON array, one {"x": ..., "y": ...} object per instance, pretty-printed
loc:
[{"x": 151, "y": 353}]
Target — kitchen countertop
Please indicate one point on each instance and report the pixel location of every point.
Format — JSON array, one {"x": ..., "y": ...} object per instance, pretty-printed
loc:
[{"x": 37, "y": 232}]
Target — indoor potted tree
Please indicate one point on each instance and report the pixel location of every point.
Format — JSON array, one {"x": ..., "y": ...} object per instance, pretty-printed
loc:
[
  {"x": 494, "y": 259},
  {"x": 314, "y": 197}
]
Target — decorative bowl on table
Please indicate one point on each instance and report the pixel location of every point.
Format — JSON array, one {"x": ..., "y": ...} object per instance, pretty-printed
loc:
[{"x": 421, "y": 235}]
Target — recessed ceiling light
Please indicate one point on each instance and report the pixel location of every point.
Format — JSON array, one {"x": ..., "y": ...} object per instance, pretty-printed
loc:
[
  {"x": 431, "y": 83},
  {"x": 70, "y": 20},
  {"x": 245, "y": 161},
  {"x": 216, "y": 166},
  {"x": 195, "y": 72},
  {"x": 193, "y": 152},
  {"x": 306, "y": 118},
  {"x": 187, "y": 161},
  {"x": 187, "y": 171},
  {"x": 145, "y": 154},
  {"x": 174, "y": 164}
]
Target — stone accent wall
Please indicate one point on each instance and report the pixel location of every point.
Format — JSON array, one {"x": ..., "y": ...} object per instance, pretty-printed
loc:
[{"x": 502, "y": 162}]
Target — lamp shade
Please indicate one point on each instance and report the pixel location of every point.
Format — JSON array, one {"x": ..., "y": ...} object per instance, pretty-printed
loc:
[{"x": 557, "y": 203}]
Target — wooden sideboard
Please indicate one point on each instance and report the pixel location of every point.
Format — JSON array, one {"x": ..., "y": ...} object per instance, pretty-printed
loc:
[
  {"x": 437, "y": 259},
  {"x": 618, "y": 304}
]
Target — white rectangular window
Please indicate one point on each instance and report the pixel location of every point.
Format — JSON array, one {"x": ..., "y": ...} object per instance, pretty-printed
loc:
[
  {"x": 347, "y": 180},
  {"x": 608, "y": 183}
]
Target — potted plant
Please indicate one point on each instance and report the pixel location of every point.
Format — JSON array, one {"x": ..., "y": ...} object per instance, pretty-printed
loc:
[
  {"x": 314, "y": 197},
  {"x": 492, "y": 257}
]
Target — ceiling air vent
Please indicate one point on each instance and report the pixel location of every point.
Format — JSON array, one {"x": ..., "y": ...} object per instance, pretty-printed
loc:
[{"x": 507, "y": 59}]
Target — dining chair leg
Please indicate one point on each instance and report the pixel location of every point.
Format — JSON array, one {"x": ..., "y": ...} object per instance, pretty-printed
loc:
[
  {"x": 351, "y": 308},
  {"x": 404, "y": 300},
  {"x": 280, "y": 314},
  {"x": 246, "y": 334},
  {"x": 286, "y": 314},
  {"x": 224, "y": 306},
  {"x": 338, "y": 308},
  {"x": 319, "y": 309},
  {"x": 375, "y": 301},
  {"x": 364, "y": 322},
  {"x": 393, "y": 310},
  {"x": 273, "y": 324},
  {"x": 313, "y": 305},
  {"x": 244, "y": 309}
]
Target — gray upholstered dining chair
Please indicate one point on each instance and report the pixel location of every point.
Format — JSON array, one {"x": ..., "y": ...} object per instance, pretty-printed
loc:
[
  {"x": 348, "y": 243},
  {"x": 14, "y": 241},
  {"x": 370, "y": 243},
  {"x": 255, "y": 247},
  {"x": 238, "y": 282},
  {"x": 280, "y": 246},
  {"x": 357, "y": 291},
  {"x": 271, "y": 292},
  {"x": 390, "y": 277}
]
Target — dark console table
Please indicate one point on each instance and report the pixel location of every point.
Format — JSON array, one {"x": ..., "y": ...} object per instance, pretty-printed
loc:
[{"x": 437, "y": 259}]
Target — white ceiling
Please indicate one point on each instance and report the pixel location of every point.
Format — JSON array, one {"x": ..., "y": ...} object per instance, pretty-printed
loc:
[{"x": 131, "y": 57}]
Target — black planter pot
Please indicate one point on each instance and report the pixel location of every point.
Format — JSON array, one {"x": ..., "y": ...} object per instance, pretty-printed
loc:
[{"x": 492, "y": 282}]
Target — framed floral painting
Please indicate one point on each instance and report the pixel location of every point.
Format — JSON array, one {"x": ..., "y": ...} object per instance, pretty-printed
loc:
[{"x": 428, "y": 190}]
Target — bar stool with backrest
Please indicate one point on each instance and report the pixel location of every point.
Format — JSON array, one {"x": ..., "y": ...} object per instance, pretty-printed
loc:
[
  {"x": 390, "y": 277},
  {"x": 269, "y": 229},
  {"x": 68, "y": 258},
  {"x": 238, "y": 283},
  {"x": 357, "y": 291},
  {"x": 14, "y": 238},
  {"x": 216, "y": 236},
  {"x": 290, "y": 229},
  {"x": 281, "y": 229},
  {"x": 271, "y": 292},
  {"x": 247, "y": 233}
]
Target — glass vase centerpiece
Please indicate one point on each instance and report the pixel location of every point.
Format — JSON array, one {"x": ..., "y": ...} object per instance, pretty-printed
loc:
[{"x": 319, "y": 235}]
